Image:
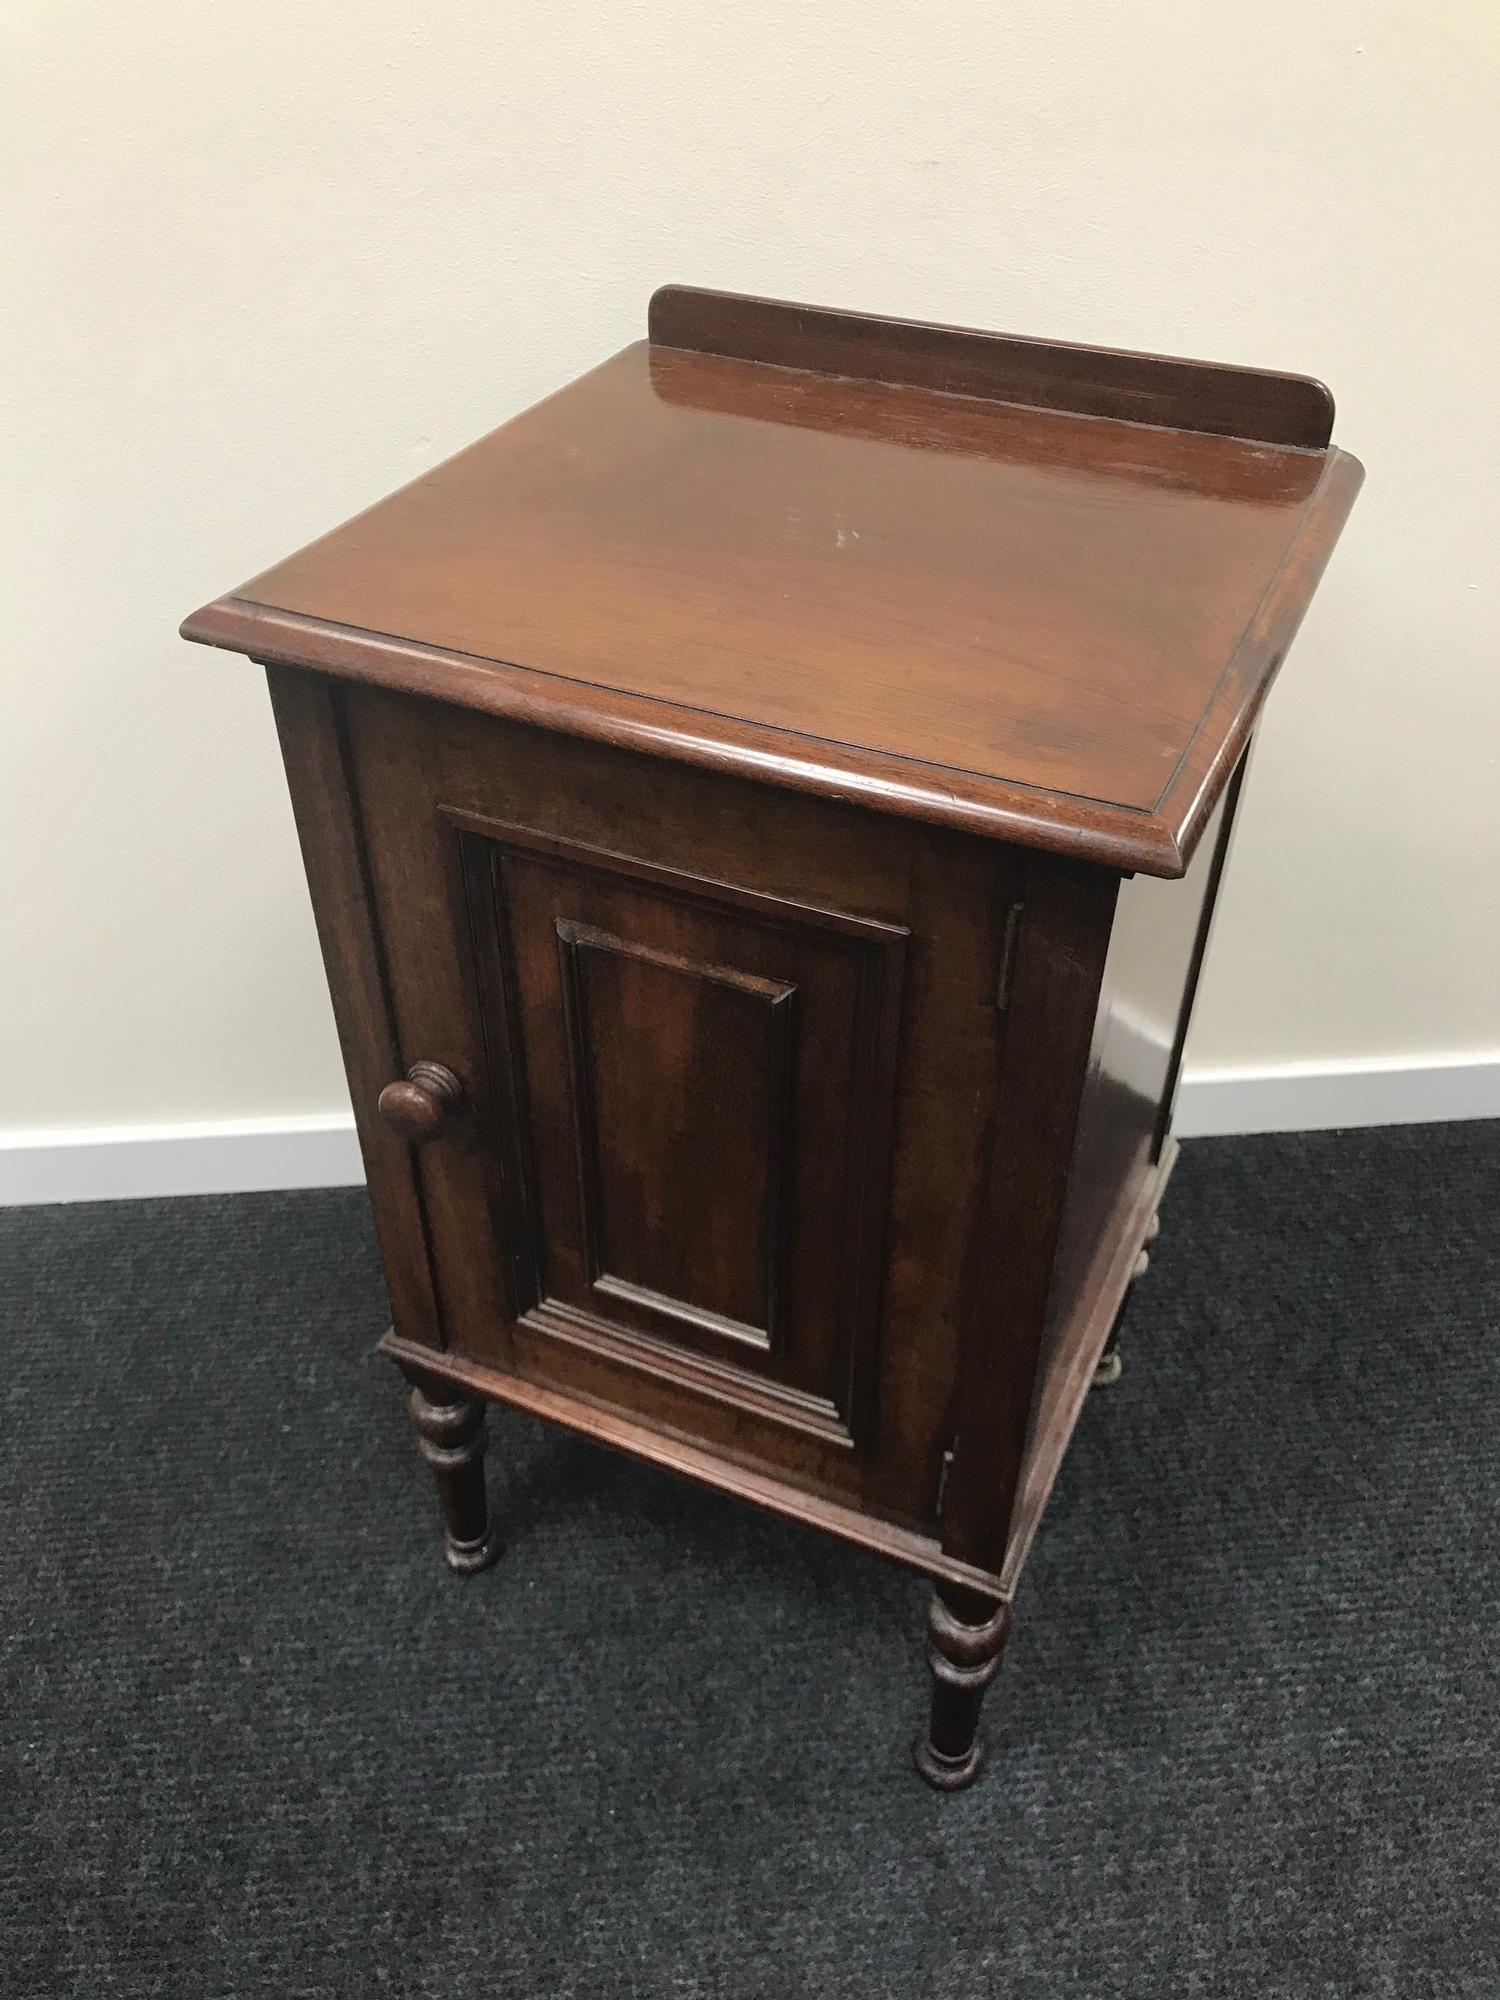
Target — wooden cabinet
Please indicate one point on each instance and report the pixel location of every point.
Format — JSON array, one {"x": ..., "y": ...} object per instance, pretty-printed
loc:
[{"x": 730, "y": 795}]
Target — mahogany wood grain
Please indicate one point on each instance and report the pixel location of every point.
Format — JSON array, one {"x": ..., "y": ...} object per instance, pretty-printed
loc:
[
  {"x": 1080, "y": 1336},
  {"x": 751, "y": 567},
  {"x": 1145, "y": 1002},
  {"x": 1152, "y": 389},
  {"x": 421, "y": 1103},
  {"x": 1061, "y": 948},
  {"x": 706, "y": 1079},
  {"x": 965, "y": 1644},
  {"x": 450, "y": 1435},
  {"x": 653, "y": 1443},
  {"x": 314, "y": 751},
  {"x": 1211, "y": 862},
  {"x": 729, "y": 795},
  {"x": 894, "y": 1048}
]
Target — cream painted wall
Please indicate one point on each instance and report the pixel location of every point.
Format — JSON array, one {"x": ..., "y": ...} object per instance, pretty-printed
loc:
[{"x": 264, "y": 261}]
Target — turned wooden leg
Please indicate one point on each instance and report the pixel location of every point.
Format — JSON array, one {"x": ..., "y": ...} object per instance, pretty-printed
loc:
[
  {"x": 966, "y": 1636},
  {"x": 1110, "y": 1365},
  {"x": 451, "y": 1436}
]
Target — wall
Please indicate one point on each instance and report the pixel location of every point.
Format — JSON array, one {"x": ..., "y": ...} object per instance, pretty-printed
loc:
[{"x": 265, "y": 261}]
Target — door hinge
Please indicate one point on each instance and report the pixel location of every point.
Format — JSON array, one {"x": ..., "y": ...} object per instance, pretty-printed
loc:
[
  {"x": 943, "y": 1470},
  {"x": 1008, "y": 939}
]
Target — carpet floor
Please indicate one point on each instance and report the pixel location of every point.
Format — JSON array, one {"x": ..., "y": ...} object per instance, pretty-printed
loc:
[{"x": 257, "y": 1740}]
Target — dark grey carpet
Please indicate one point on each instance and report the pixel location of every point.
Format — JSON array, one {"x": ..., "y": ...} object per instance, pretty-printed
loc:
[{"x": 258, "y": 1741}]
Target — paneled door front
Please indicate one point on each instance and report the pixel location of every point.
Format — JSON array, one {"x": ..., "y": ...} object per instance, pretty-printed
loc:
[
  {"x": 690, "y": 1089},
  {"x": 724, "y": 1068}
]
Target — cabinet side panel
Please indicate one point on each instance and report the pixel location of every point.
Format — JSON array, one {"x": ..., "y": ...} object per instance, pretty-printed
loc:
[
  {"x": 1122, "y": 1153},
  {"x": 1155, "y": 951},
  {"x": 310, "y": 725}
]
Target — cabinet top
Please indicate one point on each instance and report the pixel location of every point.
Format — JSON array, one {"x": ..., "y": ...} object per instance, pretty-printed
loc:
[{"x": 1033, "y": 590}]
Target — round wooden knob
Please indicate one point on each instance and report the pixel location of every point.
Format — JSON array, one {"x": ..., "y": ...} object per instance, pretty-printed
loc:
[{"x": 420, "y": 1105}]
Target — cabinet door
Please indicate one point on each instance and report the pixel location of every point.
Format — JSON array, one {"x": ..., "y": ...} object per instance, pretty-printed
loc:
[
  {"x": 690, "y": 1090},
  {"x": 728, "y": 1058}
]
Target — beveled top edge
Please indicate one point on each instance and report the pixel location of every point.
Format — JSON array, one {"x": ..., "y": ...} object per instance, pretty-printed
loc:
[
  {"x": 1121, "y": 837},
  {"x": 1159, "y": 842},
  {"x": 1163, "y": 391}
]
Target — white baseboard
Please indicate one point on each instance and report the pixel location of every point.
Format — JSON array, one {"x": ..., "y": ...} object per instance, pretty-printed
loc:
[
  {"x": 1330, "y": 1096},
  {"x": 218, "y": 1156},
  {"x": 251, "y": 1155}
]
